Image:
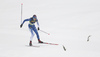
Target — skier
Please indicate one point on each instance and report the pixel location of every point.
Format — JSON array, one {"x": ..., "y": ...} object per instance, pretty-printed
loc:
[{"x": 32, "y": 28}]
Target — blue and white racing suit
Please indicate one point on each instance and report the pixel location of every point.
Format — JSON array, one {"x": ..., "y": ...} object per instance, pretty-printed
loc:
[{"x": 32, "y": 27}]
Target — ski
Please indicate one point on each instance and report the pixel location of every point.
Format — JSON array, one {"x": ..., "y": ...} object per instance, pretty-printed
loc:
[
  {"x": 42, "y": 43},
  {"x": 32, "y": 46},
  {"x": 49, "y": 43}
]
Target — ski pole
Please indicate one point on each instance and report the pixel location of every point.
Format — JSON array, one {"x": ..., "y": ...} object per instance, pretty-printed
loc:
[
  {"x": 21, "y": 11},
  {"x": 44, "y": 32}
]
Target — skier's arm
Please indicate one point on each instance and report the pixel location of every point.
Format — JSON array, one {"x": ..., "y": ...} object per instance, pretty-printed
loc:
[
  {"x": 24, "y": 22},
  {"x": 38, "y": 25}
]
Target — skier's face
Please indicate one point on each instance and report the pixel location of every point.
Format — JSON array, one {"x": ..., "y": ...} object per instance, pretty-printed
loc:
[{"x": 34, "y": 19}]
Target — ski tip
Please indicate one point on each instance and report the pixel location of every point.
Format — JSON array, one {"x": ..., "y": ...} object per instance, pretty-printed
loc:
[
  {"x": 56, "y": 44},
  {"x": 21, "y": 3}
]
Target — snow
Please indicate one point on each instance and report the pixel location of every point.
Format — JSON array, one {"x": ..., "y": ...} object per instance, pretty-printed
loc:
[{"x": 69, "y": 23}]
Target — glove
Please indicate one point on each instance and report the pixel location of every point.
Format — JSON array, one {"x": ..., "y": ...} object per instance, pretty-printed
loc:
[
  {"x": 21, "y": 25},
  {"x": 38, "y": 28}
]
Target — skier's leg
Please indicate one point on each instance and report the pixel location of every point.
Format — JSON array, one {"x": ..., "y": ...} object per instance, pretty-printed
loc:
[
  {"x": 32, "y": 34},
  {"x": 37, "y": 34}
]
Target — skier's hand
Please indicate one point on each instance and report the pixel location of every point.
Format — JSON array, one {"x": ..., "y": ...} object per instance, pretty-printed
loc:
[
  {"x": 38, "y": 28},
  {"x": 21, "y": 25}
]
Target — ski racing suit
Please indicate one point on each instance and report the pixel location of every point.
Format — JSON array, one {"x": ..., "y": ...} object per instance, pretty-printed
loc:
[{"x": 32, "y": 27}]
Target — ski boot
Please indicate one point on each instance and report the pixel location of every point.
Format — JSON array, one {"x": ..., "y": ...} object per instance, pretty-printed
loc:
[
  {"x": 39, "y": 41},
  {"x": 30, "y": 44}
]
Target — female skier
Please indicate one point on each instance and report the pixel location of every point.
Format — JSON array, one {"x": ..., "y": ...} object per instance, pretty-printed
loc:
[{"x": 32, "y": 28}]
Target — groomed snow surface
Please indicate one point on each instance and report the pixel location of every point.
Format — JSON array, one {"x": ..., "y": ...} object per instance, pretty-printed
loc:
[{"x": 69, "y": 22}]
